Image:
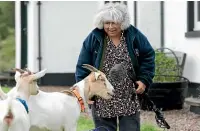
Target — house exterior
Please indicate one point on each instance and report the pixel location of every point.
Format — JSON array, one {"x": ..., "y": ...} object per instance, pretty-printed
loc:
[
  {"x": 182, "y": 33},
  {"x": 49, "y": 34}
]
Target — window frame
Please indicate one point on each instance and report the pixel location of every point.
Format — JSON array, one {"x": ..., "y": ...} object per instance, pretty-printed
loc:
[
  {"x": 193, "y": 24},
  {"x": 196, "y": 15}
]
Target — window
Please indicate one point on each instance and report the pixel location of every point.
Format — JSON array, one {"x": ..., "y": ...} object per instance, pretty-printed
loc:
[
  {"x": 197, "y": 15},
  {"x": 193, "y": 19}
]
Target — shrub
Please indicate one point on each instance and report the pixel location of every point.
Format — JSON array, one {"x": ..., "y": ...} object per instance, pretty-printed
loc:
[
  {"x": 7, "y": 52},
  {"x": 166, "y": 67}
]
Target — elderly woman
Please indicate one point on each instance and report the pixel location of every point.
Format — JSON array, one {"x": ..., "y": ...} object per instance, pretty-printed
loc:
[{"x": 114, "y": 41}]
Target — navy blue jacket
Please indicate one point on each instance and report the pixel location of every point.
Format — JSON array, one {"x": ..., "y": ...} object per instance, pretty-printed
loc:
[{"x": 141, "y": 52}]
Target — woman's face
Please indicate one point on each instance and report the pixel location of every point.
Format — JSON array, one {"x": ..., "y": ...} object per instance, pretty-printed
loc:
[{"x": 112, "y": 29}]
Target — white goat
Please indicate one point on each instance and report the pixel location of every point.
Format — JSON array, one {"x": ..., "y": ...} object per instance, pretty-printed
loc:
[
  {"x": 57, "y": 111},
  {"x": 13, "y": 113}
]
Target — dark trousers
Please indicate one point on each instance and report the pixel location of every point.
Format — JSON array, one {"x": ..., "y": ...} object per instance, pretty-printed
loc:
[{"x": 126, "y": 123}]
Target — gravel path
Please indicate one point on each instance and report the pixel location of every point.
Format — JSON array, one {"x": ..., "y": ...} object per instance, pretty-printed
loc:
[{"x": 179, "y": 120}]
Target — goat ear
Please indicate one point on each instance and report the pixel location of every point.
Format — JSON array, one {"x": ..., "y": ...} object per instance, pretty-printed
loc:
[
  {"x": 17, "y": 75},
  {"x": 2, "y": 94},
  {"x": 19, "y": 70},
  {"x": 38, "y": 75}
]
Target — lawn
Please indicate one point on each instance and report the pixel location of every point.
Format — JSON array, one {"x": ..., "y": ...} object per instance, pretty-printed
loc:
[
  {"x": 5, "y": 89},
  {"x": 86, "y": 124}
]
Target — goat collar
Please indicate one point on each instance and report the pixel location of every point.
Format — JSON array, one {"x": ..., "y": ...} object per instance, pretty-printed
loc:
[
  {"x": 80, "y": 99},
  {"x": 24, "y": 104}
]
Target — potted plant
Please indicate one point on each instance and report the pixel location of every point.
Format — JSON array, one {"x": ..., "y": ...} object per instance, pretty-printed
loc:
[{"x": 169, "y": 87}]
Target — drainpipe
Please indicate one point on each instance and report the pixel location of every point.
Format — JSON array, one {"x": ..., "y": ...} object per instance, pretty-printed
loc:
[
  {"x": 39, "y": 40},
  {"x": 135, "y": 13},
  {"x": 39, "y": 36}
]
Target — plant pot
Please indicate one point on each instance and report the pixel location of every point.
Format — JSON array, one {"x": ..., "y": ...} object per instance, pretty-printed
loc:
[
  {"x": 168, "y": 95},
  {"x": 193, "y": 98},
  {"x": 195, "y": 109},
  {"x": 193, "y": 90}
]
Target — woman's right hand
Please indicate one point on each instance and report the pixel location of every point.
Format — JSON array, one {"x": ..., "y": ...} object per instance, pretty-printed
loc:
[{"x": 90, "y": 102}]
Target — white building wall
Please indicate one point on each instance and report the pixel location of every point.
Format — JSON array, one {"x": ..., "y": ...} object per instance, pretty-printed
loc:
[
  {"x": 64, "y": 26},
  {"x": 32, "y": 35},
  {"x": 148, "y": 21},
  {"x": 62, "y": 32},
  {"x": 175, "y": 28},
  {"x": 130, "y": 5}
]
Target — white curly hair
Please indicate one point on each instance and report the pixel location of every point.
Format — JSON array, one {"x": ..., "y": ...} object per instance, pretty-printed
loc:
[{"x": 116, "y": 12}]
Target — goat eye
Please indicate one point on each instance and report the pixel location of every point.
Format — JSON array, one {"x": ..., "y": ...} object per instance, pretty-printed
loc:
[{"x": 103, "y": 79}]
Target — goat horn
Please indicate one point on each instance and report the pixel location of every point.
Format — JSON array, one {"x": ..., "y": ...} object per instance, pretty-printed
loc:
[
  {"x": 19, "y": 70},
  {"x": 38, "y": 75},
  {"x": 89, "y": 67},
  {"x": 29, "y": 72}
]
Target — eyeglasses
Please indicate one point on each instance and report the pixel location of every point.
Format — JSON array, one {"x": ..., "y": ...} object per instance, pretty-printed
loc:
[{"x": 110, "y": 24}]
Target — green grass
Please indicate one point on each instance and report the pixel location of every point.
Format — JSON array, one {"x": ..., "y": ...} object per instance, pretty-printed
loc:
[
  {"x": 5, "y": 89},
  {"x": 85, "y": 124},
  {"x": 149, "y": 127}
]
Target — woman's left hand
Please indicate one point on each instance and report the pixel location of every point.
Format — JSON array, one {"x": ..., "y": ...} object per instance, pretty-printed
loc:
[{"x": 141, "y": 87}]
